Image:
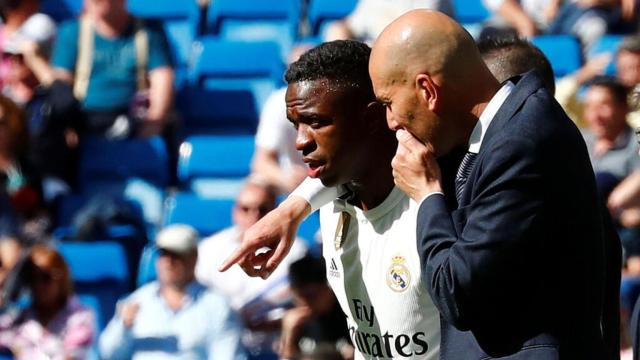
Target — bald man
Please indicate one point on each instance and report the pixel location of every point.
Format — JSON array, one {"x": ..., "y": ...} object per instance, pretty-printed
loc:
[
  {"x": 517, "y": 270},
  {"x": 517, "y": 267}
]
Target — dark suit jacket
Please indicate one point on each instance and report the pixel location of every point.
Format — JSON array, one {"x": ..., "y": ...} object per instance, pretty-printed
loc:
[{"x": 518, "y": 269}]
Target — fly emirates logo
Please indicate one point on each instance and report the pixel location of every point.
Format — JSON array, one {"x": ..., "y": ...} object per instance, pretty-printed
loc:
[{"x": 383, "y": 345}]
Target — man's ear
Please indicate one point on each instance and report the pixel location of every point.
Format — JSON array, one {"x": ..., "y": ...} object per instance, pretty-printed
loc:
[
  {"x": 428, "y": 91},
  {"x": 374, "y": 117}
]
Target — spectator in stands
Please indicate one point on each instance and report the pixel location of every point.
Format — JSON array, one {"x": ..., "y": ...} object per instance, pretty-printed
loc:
[
  {"x": 316, "y": 317},
  {"x": 258, "y": 301},
  {"x": 591, "y": 19},
  {"x": 176, "y": 316},
  {"x": 11, "y": 247},
  {"x": 627, "y": 59},
  {"x": 22, "y": 22},
  {"x": 17, "y": 179},
  {"x": 507, "y": 56},
  {"x": 108, "y": 55},
  {"x": 611, "y": 142},
  {"x": 276, "y": 158},
  {"x": 30, "y": 82},
  {"x": 55, "y": 325},
  {"x": 525, "y": 18},
  {"x": 9, "y": 223},
  {"x": 371, "y": 16}
]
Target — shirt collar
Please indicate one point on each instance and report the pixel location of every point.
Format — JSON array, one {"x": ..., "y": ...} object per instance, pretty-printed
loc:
[
  {"x": 489, "y": 112},
  {"x": 191, "y": 292},
  {"x": 622, "y": 141}
]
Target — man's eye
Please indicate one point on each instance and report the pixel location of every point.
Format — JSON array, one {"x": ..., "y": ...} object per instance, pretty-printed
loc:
[{"x": 316, "y": 123}]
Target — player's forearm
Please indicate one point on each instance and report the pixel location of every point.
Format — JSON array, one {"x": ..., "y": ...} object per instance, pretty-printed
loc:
[{"x": 295, "y": 208}]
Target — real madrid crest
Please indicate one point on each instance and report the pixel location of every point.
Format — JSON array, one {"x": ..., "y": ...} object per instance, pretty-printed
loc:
[
  {"x": 342, "y": 230},
  {"x": 398, "y": 275}
]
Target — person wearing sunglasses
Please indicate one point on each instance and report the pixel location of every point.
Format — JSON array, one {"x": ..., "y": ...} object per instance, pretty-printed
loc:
[
  {"x": 55, "y": 325},
  {"x": 260, "y": 302},
  {"x": 175, "y": 316}
]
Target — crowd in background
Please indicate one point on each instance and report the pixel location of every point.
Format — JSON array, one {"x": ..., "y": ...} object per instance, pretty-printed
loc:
[{"x": 109, "y": 75}]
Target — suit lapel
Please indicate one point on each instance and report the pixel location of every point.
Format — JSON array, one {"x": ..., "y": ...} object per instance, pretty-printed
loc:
[{"x": 526, "y": 85}]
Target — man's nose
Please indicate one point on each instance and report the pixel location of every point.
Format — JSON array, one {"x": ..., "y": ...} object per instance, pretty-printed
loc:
[
  {"x": 392, "y": 123},
  {"x": 303, "y": 138}
]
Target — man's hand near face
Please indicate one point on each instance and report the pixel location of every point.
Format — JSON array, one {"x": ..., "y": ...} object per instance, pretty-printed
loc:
[{"x": 415, "y": 169}]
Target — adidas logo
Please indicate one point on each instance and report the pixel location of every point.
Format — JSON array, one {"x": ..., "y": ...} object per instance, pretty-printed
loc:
[
  {"x": 333, "y": 266},
  {"x": 333, "y": 269}
]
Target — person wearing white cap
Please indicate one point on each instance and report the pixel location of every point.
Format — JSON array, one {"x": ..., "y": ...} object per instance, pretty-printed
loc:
[
  {"x": 260, "y": 302},
  {"x": 174, "y": 317},
  {"x": 26, "y": 38}
]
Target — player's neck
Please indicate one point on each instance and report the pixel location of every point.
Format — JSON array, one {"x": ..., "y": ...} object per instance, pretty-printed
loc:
[{"x": 376, "y": 181}]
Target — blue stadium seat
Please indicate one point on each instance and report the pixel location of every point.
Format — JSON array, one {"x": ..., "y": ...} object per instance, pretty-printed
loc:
[
  {"x": 322, "y": 12},
  {"x": 61, "y": 10},
  {"x": 98, "y": 269},
  {"x": 471, "y": 14},
  {"x": 607, "y": 44},
  {"x": 215, "y": 156},
  {"x": 205, "y": 215},
  {"x": 95, "y": 261},
  {"x": 135, "y": 169},
  {"x": 308, "y": 229},
  {"x": 470, "y": 11},
  {"x": 179, "y": 20},
  {"x": 147, "y": 267},
  {"x": 232, "y": 65},
  {"x": 249, "y": 20},
  {"x": 66, "y": 208},
  {"x": 217, "y": 111},
  {"x": 120, "y": 160},
  {"x": 93, "y": 303},
  {"x": 144, "y": 200},
  {"x": 164, "y": 9},
  {"x": 563, "y": 51}
]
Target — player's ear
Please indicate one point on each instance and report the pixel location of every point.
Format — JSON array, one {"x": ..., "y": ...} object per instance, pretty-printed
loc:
[
  {"x": 427, "y": 91},
  {"x": 374, "y": 117}
]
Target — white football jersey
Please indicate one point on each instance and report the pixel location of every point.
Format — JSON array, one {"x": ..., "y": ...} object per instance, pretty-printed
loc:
[{"x": 373, "y": 268}]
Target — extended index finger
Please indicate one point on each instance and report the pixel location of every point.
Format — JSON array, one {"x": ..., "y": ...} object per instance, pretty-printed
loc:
[{"x": 237, "y": 256}]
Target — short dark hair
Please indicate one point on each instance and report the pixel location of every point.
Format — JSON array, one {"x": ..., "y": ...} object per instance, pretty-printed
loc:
[
  {"x": 343, "y": 61},
  {"x": 615, "y": 87},
  {"x": 307, "y": 270},
  {"x": 508, "y": 56}
]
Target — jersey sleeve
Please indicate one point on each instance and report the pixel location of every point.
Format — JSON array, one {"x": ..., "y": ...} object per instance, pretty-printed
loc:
[{"x": 315, "y": 193}]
